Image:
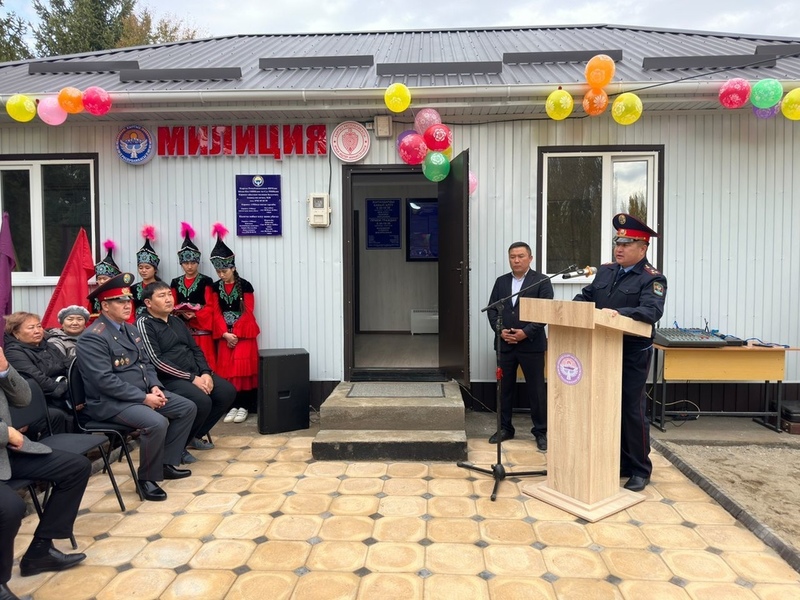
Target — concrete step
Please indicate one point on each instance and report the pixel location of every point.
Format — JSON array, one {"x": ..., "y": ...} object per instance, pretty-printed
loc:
[
  {"x": 340, "y": 411},
  {"x": 383, "y": 445}
]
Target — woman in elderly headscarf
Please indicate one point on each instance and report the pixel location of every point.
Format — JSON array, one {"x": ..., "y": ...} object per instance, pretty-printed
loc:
[{"x": 73, "y": 321}]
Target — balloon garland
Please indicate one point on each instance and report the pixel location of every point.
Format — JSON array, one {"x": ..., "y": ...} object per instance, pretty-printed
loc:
[{"x": 54, "y": 110}]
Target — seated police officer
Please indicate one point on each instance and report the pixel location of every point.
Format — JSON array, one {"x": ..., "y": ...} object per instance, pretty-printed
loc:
[{"x": 122, "y": 386}]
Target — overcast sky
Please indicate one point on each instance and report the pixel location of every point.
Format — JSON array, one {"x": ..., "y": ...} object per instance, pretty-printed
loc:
[{"x": 213, "y": 18}]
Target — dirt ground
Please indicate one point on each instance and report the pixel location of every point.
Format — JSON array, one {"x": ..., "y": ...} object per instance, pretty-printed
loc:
[{"x": 763, "y": 479}]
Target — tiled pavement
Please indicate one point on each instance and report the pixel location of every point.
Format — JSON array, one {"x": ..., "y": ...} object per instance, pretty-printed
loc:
[{"x": 259, "y": 518}]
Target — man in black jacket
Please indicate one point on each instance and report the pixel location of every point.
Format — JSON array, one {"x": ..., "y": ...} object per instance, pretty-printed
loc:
[
  {"x": 181, "y": 364},
  {"x": 521, "y": 343}
]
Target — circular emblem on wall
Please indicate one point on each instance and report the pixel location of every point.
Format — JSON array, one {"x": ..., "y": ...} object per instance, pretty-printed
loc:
[
  {"x": 350, "y": 141},
  {"x": 135, "y": 145},
  {"x": 258, "y": 181},
  {"x": 569, "y": 368}
]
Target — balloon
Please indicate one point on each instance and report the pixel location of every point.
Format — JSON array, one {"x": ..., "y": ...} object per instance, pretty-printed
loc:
[
  {"x": 627, "y": 108},
  {"x": 790, "y": 107},
  {"x": 600, "y": 71},
  {"x": 397, "y": 97},
  {"x": 766, "y": 93},
  {"x": 734, "y": 93},
  {"x": 448, "y": 153},
  {"x": 71, "y": 100},
  {"x": 412, "y": 149},
  {"x": 473, "y": 183},
  {"x": 50, "y": 111},
  {"x": 595, "y": 102},
  {"x": 559, "y": 104},
  {"x": 403, "y": 135},
  {"x": 96, "y": 101},
  {"x": 21, "y": 108},
  {"x": 767, "y": 113},
  {"x": 425, "y": 118},
  {"x": 438, "y": 137},
  {"x": 435, "y": 166}
]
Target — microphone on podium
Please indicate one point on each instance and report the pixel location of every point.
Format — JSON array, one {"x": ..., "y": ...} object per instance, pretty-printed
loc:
[{"x": 585, "y": 272}]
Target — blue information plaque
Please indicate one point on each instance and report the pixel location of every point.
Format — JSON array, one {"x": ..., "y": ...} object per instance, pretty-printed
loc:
[
  {"x": 258, "y": 205},
  {"x": 383, "y": 223}
]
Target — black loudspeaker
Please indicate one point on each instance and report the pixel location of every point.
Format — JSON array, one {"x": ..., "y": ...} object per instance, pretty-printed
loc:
[{"x": 283, "y": 390}]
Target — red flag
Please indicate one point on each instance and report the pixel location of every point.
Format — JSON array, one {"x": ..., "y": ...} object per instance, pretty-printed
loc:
[
  {"x": 73, "y": 284},
  {"x": 7, "y": 264}
]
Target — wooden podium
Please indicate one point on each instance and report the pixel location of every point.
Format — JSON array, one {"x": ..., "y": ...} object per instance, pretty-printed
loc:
[{"x": 584, "y": 391}]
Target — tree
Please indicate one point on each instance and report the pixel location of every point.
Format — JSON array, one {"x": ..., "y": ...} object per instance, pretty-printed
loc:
[
  {"x": 79, "y": 25},
  {"x": 139, "y": 30},
  {"x": 12, "y": 38}
]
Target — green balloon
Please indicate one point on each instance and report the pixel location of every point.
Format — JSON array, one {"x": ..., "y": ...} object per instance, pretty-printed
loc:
[
  {"x": 766, "y": 93},
  {"x": 435, "y": 166}
]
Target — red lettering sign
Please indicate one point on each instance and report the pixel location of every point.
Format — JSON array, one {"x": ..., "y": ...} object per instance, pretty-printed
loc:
[{"x": 241, "y": 140}]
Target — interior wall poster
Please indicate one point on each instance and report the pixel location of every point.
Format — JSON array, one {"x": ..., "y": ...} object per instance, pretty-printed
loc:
[{"x": 383, "y": 223}]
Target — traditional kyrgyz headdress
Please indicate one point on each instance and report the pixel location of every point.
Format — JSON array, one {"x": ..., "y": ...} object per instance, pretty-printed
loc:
[
  {"x": 146, "y": 254},
  {"x": 107, "y": 266},
  {"x": 188, "y": 251},
  {"x": 221, "y": 257}
]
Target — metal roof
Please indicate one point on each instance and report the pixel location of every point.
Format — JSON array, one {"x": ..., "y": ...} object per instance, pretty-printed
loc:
[{"x": 467, "y": 74}]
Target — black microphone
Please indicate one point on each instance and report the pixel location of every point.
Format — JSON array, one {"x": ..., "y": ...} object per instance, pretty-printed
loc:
[{"x": 584, "y": 272}]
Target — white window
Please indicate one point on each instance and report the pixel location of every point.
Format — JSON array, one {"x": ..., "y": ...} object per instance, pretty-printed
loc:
[
  {"x": 581, "y": 192},
  {"x": 47, "y": 201}
]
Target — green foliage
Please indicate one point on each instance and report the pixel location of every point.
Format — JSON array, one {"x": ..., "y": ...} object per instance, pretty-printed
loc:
[
  {"x": 140, "y": 30},
  {"x": 12, "y": 38}
]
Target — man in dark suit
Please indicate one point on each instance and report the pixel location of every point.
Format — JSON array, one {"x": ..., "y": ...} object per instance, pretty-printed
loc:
[
  {"x": 122, "y": 386},
  {"x": 520, "y": 343},
  {"x": 21, "y": 458}
]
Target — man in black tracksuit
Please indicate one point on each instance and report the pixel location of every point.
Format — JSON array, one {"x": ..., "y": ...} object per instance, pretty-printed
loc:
[{"x": 633, "y": 288}]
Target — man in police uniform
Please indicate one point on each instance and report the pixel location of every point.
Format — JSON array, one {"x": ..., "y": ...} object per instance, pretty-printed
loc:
[
  {"x": 122, "y": 386},
  {"x": 631, "y": 287}
]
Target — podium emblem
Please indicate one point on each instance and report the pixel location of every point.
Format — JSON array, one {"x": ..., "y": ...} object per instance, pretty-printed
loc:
[{"x": 569, "y": 368}]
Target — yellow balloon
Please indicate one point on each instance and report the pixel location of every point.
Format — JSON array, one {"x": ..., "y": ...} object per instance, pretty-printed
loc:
[
  {"x": 21, "y": 108},
  {"x": 559, "y": 105},
  {"x": 627, "y": 108},
  {"x": 448, "y": 153},
  {"x": 790, "y": 106},
  {"x": 397, "y": 97}
]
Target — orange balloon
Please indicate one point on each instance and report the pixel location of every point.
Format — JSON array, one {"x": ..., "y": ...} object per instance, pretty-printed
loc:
[
  {"x": 71, "y": 100},
  {"x": 600, "y": 71},
  {"x": 595, "y": 102}
]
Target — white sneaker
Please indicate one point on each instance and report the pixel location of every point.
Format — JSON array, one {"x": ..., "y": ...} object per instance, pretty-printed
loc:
[
  {"x": 230, "y": 416},
  {"x": 241, "y": 416}
]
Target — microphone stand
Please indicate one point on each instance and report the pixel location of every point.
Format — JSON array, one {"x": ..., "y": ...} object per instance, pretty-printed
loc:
[{"x": 497, "y": 470}]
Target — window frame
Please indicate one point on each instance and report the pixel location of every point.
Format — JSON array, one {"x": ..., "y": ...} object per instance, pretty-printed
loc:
[
  {"x": 654, "y": 154},
  {"x": 34, "y": 164}
]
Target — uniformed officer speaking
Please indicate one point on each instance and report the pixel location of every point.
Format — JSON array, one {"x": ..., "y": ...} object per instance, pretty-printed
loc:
[
  {"x": 122, "y": 386},
  {"x": 631, "y": 287}
]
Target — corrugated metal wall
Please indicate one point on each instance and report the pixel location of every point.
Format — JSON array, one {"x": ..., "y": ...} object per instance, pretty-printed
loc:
[{"x": 731, "y": 208}]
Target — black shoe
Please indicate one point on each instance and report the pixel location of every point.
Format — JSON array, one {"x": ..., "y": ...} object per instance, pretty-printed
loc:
[
  {"x": 171, "y": 472},
  {"x": 7, "y": 594},
  {"x": 152, "y": 491},
  {"x": 636, "y": 483},
  {"x": 505, "y": 434},
  {"x": 541, "y": 441},
  {"x": 54, "y": 560}
]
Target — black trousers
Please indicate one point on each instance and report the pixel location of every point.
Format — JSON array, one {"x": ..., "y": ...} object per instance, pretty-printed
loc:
[
  {"x": 12, "y": 509},
  {"x": 210, "y": 407},
  {"x": 635, "y": 438},
  {"x": 532, "y": 364}
]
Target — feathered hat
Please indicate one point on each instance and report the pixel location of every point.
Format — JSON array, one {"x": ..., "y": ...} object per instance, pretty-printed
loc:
[
  {"x": 107, "y": 266},
  {"x": 146, "y": 254},
  {"x": 221, "y": 257},
  {"x": 188, "y": 251}
]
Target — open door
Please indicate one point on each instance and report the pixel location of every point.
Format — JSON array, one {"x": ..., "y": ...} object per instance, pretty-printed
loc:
[{"x": 454, "y": 271}]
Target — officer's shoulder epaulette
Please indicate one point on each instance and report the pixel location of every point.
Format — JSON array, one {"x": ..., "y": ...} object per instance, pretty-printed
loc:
[
  {"x": 98, "y": 327},
  {"x": 651, "y": 269}
]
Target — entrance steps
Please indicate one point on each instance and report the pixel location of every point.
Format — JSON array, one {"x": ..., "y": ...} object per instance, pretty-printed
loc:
[{"x": 411, "y": 421}]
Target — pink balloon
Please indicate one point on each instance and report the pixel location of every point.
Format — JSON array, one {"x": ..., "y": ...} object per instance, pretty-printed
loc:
[
  {"x": 734, "y": 93},
  {"x": 96, "y": 101},
  {"x": 438, "y": 137},
  {"x": 425, "y": 118},
  {"x": 473, "y": 183},
  {"x": 50, "y": 111},
  {"x": 412, "y": 149}
]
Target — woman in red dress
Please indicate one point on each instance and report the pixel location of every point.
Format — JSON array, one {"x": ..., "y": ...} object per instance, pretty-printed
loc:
[
  {"x": 193, "y": 295},
  {"x": 234, "y": 327},
  {"x": 103, "y": 271},
  {"x": 147, "y": 262}
]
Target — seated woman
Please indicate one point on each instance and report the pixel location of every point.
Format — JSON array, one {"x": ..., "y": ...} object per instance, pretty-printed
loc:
[
  {"x": 73, "y": 321},
  {"x": 29, "y": 353}
]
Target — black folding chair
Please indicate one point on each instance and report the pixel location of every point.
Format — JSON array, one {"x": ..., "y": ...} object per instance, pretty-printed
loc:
[{"x": 113, "y": 431}]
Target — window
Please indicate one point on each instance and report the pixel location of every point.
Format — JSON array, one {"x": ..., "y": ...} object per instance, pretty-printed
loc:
[
  {"x": 47, "y": 201},
  {"x": 582, "y": 189}
]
